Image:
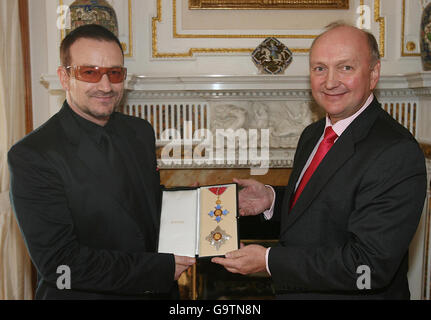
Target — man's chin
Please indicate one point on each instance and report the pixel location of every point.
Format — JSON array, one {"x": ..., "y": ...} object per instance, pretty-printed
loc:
[{"x": 102, "y": 113}]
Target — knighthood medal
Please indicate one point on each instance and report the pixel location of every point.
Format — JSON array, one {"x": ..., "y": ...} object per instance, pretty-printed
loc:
[
  {"x": 218, "y": 211},
  {"x": 217, "y": 237}
]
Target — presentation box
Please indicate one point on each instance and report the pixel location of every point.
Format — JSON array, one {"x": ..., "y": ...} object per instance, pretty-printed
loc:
[{"x": 199, "y": 222}]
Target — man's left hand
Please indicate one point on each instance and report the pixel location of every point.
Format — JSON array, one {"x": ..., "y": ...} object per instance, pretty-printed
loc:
[{"x": 248, "y": 259}]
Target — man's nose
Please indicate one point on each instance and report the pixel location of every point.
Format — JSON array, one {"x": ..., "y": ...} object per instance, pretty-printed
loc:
[
  {"x": 104, "y": 84},
  {"x": 332, "y": 80}
]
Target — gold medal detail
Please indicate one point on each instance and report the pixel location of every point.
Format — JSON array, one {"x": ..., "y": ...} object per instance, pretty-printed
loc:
[{"x": 218, "y": 237}]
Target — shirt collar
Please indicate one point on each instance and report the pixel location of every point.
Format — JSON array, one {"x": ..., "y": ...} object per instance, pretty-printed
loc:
[
  {"x": 94, "y": 130},
  {"x": 342, "y": 125}
]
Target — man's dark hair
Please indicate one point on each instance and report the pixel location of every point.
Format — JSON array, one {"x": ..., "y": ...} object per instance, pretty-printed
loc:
[{"x": 88, "y": 31}]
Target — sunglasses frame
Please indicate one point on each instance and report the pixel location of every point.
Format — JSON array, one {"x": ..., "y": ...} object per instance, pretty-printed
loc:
[{"x": 74, "y": 72}]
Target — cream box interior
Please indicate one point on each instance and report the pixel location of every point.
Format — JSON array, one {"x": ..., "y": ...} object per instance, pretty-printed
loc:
[{"x": 200, "y": 222}]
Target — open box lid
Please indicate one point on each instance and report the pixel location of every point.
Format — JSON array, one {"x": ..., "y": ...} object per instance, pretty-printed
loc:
[{"x": 200, "y": 222}]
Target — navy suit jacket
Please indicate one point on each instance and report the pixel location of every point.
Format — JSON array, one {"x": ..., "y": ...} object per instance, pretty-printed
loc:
[{"x": 360, "y": 208}]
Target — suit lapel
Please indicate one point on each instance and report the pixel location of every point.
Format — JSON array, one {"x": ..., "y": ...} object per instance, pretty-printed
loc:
[
  {"x": 303, "y": 153},
  {"x": 341, "y": 152},
  {"x": 140, "y": 162}
]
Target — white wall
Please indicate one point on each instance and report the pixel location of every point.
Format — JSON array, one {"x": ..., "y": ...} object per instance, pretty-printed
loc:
[{"x": 45, "y": 39}]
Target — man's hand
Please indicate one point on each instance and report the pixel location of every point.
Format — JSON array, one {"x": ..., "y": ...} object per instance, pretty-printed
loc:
[
  {"x": 248, "y": 259},
  {"x": 182, "y": 264},
  {"x": 255, "y": 198}
]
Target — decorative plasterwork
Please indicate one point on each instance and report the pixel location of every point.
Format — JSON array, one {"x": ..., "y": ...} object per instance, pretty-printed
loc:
[
  {"x": 409, "y": 44},
  {"x": 269, "y": 5},
  {"x": 229, "y": 50}
]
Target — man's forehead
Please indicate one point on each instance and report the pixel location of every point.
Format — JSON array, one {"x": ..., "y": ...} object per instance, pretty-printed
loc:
[
  {"x": 342, "y": 35},
  {"x": 92, "y": 51},
  {"x": 340, "y": 45}
]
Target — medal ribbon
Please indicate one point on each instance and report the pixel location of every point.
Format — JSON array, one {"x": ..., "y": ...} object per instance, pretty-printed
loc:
[{"x": 217, "y": 190}]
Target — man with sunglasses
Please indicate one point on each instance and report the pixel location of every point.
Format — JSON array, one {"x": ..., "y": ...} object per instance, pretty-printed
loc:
[{"x": 85, "y": 186}]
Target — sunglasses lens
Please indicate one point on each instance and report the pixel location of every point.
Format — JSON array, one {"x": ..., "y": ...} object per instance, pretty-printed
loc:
[
  {"x": 88, "y": 74},
  {"x": 95, "y": 74},
  {"x": 116, "y": 75}
]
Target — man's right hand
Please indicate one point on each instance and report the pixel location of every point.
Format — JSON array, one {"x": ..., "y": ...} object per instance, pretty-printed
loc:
[
  {"x": 182, "y": 263},
  {"x": 255, "y": 198}
]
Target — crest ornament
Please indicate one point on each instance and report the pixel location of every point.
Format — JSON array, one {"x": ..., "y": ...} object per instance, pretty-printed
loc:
[{"x": 272, "y": 56}]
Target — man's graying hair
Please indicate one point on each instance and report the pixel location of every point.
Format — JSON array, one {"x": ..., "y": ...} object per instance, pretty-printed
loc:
[{"x": 372, "y": 42}]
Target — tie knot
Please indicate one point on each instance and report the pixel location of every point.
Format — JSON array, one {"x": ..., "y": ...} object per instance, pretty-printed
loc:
[{"x": 330, "y": 135}]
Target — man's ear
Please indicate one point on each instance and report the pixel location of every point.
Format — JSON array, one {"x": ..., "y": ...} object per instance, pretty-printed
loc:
[
  {"x": 375, "y": 75},
  {"x": 64, "y": 77}
]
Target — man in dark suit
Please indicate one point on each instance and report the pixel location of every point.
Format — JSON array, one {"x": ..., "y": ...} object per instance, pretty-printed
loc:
[
  {"x": 85, "y": 186},
  {"x": 356, "y": 192}
]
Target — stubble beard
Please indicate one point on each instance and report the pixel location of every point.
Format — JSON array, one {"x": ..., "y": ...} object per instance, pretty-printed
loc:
[{"x": 93, "y": 112}]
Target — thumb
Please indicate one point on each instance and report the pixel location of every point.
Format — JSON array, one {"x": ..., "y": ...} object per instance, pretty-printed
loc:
[{"x": 244, "y": 182}]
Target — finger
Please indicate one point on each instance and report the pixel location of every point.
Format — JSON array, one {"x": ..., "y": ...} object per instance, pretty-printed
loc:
[
  {"x": 244, "y": 182},
  {"x": 246, "y": 212},
  {"x": 234, "y": 254},
  {"x": 242, "y": 245},
  {"x": 185, "y": 261},
  {"x": 229, "y": 264}
]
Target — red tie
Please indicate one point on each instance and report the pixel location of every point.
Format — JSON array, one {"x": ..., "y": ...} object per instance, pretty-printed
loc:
[{"x": 324, "y": 146}]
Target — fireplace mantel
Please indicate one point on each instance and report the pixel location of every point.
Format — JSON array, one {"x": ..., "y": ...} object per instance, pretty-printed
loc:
[
  {"x": 282, "y": 104},
  {"x": 220, "y": 83}
]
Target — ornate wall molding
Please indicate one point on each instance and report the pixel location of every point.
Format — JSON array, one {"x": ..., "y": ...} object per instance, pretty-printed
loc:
[
  {"x": 161, "y": 17},
  {"x": 280, "y": 4}
]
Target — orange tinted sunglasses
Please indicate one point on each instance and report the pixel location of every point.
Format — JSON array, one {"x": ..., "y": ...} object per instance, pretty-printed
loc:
[{"x": 95, "y": 74}]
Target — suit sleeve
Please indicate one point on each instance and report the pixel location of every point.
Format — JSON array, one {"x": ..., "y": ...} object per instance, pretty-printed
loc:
[
  {"x": 39, "y": 200},
  {"x": 388, "y": 206}
]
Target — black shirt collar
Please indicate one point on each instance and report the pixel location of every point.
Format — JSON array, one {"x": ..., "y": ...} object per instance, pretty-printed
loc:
[{"x": 94, "y": 130}]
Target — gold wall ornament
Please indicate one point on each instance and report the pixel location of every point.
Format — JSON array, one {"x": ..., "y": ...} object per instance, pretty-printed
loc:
[
  {"x": 382, "y": 27},
  {"x": 410, "y": 46},
  {"x": 269, "y": 4}
]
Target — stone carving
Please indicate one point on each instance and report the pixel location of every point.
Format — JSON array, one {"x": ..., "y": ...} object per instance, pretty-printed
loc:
[
  {"x": 284, "y": 119},
  {"x": 287, "y": 123},
  {"x": 228, "y": 116}
]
